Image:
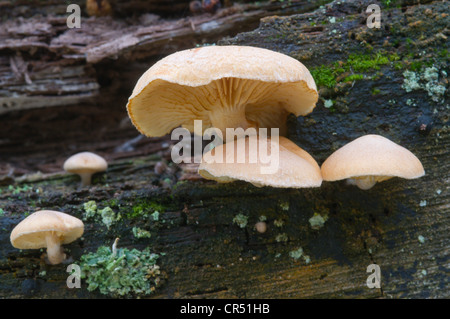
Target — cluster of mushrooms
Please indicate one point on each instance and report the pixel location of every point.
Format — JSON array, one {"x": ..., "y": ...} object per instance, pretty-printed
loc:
[
  {"x": 51, "y": 229},
  {"x": 229, "y": 87},
  {"x": 244, "y": 87}
]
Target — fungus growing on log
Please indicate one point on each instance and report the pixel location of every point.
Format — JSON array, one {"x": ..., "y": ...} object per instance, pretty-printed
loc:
[
  {"x": 370, "y": 159},
  {"x": 47, "y": 229}
]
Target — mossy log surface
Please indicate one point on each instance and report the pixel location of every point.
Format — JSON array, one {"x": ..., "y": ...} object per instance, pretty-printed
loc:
[{"x": 400, "y": 225}]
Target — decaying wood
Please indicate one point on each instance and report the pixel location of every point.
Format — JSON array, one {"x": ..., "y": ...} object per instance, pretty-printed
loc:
[
  {"x": 56, "y": 63},
  {"x": 400, "y": 225}
]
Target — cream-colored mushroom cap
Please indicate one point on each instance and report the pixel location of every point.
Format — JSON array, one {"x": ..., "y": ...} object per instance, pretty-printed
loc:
[
  {"x": 224, "y": 86},
  {"x": 369, "y": 159},
  {"x": 30, "y": 233},
  {"x": 292, "y": 167},
  {"x": 47, "y": 229},
  {"x": 85, "y": 164}
]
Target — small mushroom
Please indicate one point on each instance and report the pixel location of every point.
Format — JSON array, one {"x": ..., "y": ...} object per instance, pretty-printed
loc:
[
  {"x": 85, "y": 164},
  {"x": 295, "y": 167},
  {"x": 370, "y": 159},
  {"x": 225, "y": 87},
  {"x": 261, "y": 227},
  {"x": 47, "y": 229}
]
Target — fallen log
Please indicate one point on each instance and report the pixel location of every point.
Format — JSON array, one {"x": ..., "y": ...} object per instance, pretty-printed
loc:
[{"x": 319, "y": 242}]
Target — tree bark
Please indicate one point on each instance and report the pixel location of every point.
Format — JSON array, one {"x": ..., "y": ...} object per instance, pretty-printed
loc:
[{"x": 400, "y": 225}]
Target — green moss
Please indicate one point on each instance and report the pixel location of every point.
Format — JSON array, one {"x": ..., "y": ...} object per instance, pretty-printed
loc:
[
  {"x": 128, "y": 272},
  {"x": 144, "y": 209},
  {"x": 444, "y": 54},
  {"x": 324, "y": 76},
  {"x": 390, "y": 3},
  {"x": 15, "y": 190},
  {"x": 375, "y": 91},
  {"x": 398, "y": 65},
  {"x": 328, "y": 75},
  {"x": 353, "y": 77},
  {"x": 112, "y": 203},
  {"x": 364, "y": 62}
]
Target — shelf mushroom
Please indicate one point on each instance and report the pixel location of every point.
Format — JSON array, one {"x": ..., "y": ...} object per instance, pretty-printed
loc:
[
  {"x": 225, "y": 87},
  {"x": 85, "y": 164},
  {"x": 295, "y": 168},
  {"x": 47, "y": 229},
  {"x": 370, "y": 159}
]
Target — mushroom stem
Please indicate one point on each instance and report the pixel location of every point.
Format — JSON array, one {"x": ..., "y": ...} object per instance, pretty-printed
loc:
[
  {"x": 85, "y": 178},
  {"x": 367, "y": 182},
  {"x": 229, "y": 117},
  {"x": 54, "y": 250}
]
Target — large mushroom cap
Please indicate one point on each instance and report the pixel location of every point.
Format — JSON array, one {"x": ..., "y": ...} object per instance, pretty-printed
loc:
[
  {"x": 31, "y": 232},
  {"x": 296, "y": 168},
  {"x": 371, "y": 155},
  {"x": 224, "y": 86}
]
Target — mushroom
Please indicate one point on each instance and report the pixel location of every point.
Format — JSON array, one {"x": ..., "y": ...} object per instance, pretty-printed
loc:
[
  {"x": 85, "y": 164},
  {"x": 370, "y": 159},
  {"x": 261, "y": 227},
  {"x": 47, "y": 229},
  {"x": 225, "y": 87},
  {"x": 296, "y": 168}
]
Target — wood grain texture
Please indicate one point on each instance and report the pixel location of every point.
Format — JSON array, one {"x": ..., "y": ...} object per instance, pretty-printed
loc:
[{"x": 400, "y": 225}]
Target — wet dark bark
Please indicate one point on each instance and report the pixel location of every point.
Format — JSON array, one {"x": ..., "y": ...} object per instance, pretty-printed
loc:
[{"x": 401, "y": 225}]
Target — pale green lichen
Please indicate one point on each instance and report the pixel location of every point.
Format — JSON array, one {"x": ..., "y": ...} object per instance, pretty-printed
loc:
[
  {"x": 90, "y": 209},
  {"x": 317, "y": 221},
  {"x": 307, "y": 259},
  {"x": 284, "y": 206},
  {"x": 107, "y": 215},
  {"x": 296, "y": 254},
  {"x": 328, "y": 103},
  {"x": 410, "y": 81},
  {"x": 278, "y": 222},
  {"x": 280, "y": 238},
  {"x": 141, "y": 233},
  {"x": 128, "y": 272},
  {"x": 411, "y": 102},
  {"x": 155, "y": 216},
  {"x": 427, "y": 80},
  {"x": 299, "y": 253},
  {"x": 241, "y": 220},
  {"x": 421, "y": 239}
]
